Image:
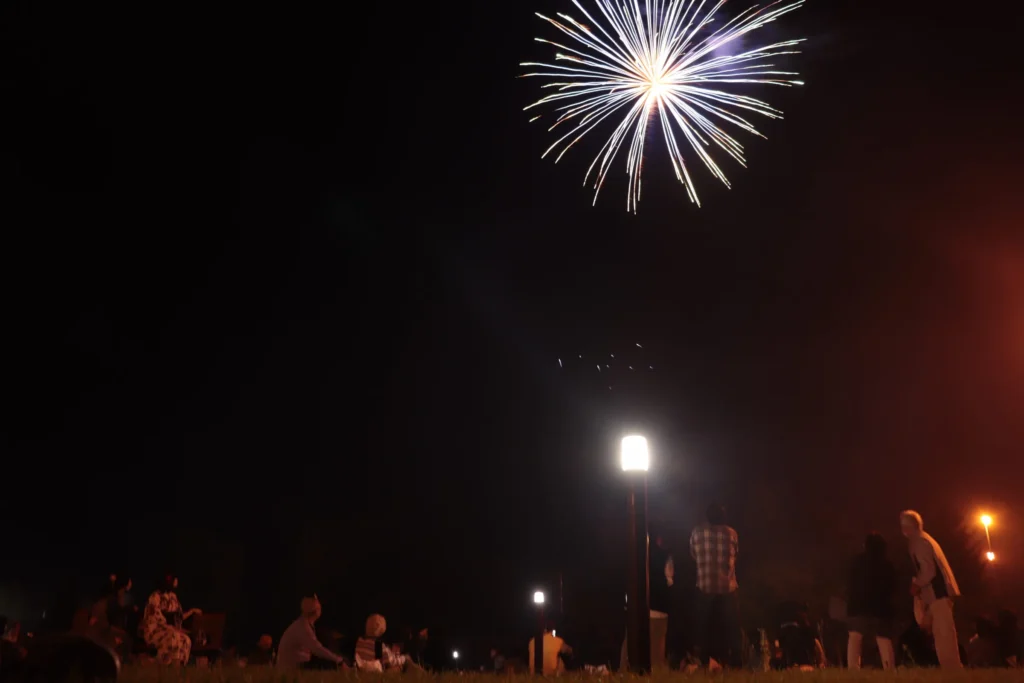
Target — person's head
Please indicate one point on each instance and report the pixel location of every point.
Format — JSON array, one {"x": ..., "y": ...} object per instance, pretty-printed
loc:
[
  {"x": 310, "y": 608},
  {"x": 122, "y": 585},
  {"x": 169, "y": 583},
  {"x": 911, "y": 523},
  {"x": 716, "y": 514},
  {"x": 424, "y": 633},
  {"x": 265, "y": 642},
  {"x": 376, "y": 625},
  {"x": 874, "y": 545},
  {"x": 494, "y": 653}
]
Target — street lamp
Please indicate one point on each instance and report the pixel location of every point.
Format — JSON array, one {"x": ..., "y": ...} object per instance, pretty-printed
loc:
[
  {"x": 636, "y": 460},
  {"x": 635, "y": 457},
  {"x": 538, "y": 598},
  {"x": 986, "y": 521}
]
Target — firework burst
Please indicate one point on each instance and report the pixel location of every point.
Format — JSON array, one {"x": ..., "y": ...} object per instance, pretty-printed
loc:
[{"x": 659, "y": 58}]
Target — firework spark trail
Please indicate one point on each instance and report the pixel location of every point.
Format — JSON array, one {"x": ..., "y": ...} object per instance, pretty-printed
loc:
[{"x": 659, "y": 61}]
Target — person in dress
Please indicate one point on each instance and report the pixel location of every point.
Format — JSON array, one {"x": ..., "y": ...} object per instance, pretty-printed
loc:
[
  {"x": 162, "y": 625},
  {"x": 299, "y": 647}
]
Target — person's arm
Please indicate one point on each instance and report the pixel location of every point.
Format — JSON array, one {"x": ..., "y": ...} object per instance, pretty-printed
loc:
[
  {"x": 693, "y": 544},
  {"x": 925, "y": 557},
  {"x": 819, "y": 654},
  {"x": 670, "y": 571},
  {"x": 316, "y": 648}
]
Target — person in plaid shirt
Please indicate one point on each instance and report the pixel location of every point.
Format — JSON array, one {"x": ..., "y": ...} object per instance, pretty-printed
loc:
[{"x": 714, "y": 546}]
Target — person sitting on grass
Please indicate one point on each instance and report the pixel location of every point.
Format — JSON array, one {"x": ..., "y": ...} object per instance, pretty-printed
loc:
[
  {"x": 299, "y": 647},
  {"x": 555, "y": 649},
  {"x": 263, "y": 655},
  {"x": 373, "y": 655},
  {"x": 983, "y": 647}
]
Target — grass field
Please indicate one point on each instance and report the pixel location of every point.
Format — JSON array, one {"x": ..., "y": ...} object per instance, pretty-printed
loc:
[{"x": 269, "y": 675}]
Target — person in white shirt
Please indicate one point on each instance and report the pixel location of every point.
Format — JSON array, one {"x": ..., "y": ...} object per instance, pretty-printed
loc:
[
  {"x": 299, "y": 644},
  {"x": 933, "y": 588}
]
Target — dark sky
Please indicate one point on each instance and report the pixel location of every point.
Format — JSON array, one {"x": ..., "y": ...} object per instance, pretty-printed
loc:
[{"x": 286, "y": 288}]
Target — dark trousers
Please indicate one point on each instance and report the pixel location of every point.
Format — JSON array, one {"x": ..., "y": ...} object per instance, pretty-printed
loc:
[{"x": 717, "y": 628}]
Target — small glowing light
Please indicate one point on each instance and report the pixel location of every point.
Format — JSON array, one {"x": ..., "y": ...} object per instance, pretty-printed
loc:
[
  {"x": 554, "y": 632},
  {"x": 986, "y": 520},
  {"x": 634, "y": 454},
  {"x": 990, "y": 556},
  {"x": 538, "y": 598},
  {"x": 455, "y": 654}
]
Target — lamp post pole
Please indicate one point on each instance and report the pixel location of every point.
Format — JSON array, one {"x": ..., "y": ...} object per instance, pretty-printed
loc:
[
  {"x": 538, "y": 640},
  {"x": 638, "y": 611}
]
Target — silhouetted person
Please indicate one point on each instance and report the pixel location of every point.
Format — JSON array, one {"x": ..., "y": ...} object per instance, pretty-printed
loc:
[
  {"x": 263, "y": 655},
  {"x": 663, "y": 573},
  {"x": 983, "y": 647},
  {"x": 1009, "y": 637},
  {"x": 798, "y": 641},
  {"x": 870, "y": 591},
  {"x": 497, "y": 661}
]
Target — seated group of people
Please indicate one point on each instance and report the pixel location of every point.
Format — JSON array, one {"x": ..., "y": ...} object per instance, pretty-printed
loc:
[
  {"x": 299, "y": 647},
  {"x": 161, "y": 626}
]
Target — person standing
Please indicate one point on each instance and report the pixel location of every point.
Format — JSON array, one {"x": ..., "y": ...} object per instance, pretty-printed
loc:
[
  {"x": 663, "y": 574},
  {"x": 870, "y": 591},
  {"x": 299, "y": 644},
  {"x": 714, "y": 546},
  {"x": 662, "y": 577},
  {"x": 933, "y": 588}
]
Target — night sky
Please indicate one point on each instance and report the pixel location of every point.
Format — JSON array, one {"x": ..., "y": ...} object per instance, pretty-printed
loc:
[{"x": 287, "y": 288}]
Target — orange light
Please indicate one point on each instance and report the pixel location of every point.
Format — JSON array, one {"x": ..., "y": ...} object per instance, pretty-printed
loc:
[
  {"x": 990, "y": 556},
  {"x": 986, "y": 520}
]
